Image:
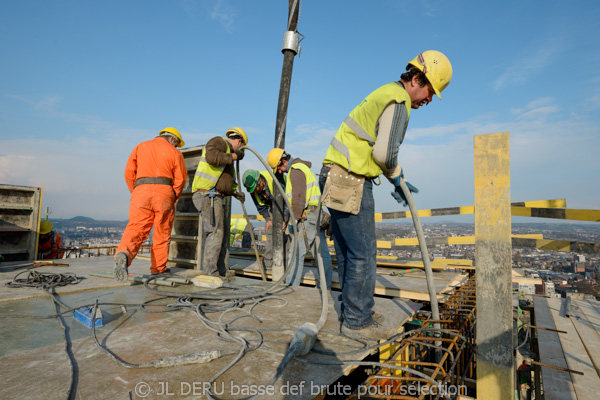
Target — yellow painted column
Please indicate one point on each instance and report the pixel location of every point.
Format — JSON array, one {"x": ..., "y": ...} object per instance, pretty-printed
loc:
[{"x": 493, "y": 258}]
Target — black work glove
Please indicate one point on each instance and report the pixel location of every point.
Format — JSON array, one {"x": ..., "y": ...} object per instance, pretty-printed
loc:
[
  {"x": 240, "y": 154},
  {"x": 241, "y": 196}
]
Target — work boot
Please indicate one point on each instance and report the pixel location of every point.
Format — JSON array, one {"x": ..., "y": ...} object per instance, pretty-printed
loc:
[
  {"x": 166, "y": 272},
  {"x": 375, "y": 331},
  {"x": 376, "y": 317},
  {"x": 120, "y": 271}
]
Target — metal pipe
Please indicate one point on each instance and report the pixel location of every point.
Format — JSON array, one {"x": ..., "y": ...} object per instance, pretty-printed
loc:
[{"x": 280, "y": 123}]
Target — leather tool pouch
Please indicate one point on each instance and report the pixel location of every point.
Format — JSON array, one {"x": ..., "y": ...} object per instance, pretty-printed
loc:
[{"x": 343, "y": 190}]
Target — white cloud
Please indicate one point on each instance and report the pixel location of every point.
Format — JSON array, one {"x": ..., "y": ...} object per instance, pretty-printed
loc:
[
  {"x": 223, "y": 13},
  {"x": 47, "y": 103},
  {"x": 527, "y": 66}
]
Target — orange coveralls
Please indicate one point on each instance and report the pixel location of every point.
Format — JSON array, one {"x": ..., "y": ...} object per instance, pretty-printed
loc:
[
  {"x": 152, "y": 204},
  {"x": 48, "y": 246}
]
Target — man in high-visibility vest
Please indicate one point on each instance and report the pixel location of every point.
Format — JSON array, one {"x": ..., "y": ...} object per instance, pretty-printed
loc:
[
  {"x": 214, "y": 180},
  {"x": 155, "y": 174},
  {"x": 302, "y": 191},
  {"x": 260, "y": 187},
  {"x": 364, "y": 147},
  {"x": 50, "y": 242},
  {"x": 240, "y": 227}
]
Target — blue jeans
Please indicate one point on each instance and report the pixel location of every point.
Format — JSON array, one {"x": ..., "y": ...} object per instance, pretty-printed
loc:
[
  {"x": 310, "y": 224},
  {"x": 356, "y": 252}
]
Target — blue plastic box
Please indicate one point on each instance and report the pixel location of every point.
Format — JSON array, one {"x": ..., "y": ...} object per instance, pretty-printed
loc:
[{"x": 84, "y": 315}]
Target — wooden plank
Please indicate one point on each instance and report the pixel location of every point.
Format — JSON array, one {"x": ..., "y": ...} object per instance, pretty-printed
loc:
[
  {"x": 587, "y": 322},
  {"x": 591, "y": 312},
  {"x": 412, "y": 287},
  {"x": 594, "y": 304},
  {"x": 557, "y": 384},
  {"x": 586, "y": 385}
]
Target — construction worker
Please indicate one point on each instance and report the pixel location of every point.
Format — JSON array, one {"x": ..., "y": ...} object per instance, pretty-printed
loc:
[
  {"x": 364, "y": 147},
  {"x": 239, "y": 228},
  {"x": 214, "y": 180},
  {"x": 50, "y": 242},
  {"x": 155, "y": 174},
  {"x": 303, "y": 193},
  {"x": 260, "y": 186}
]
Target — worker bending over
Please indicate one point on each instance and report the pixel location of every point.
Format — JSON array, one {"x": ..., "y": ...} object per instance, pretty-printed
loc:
[
  {"x": 214, "y": 180},
  {"x": 50, "y": 242},
  {"x": 303, "y": 193},
  {"x": 260, "y": 186},
  {"x": 364, "y": 147},
  {"x": 155, "y": 174}
]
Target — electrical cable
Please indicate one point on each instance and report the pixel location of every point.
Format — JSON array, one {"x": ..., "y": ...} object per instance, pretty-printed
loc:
[
  {"x": 68, "y": 349},
  {"x": 306, "y": 336},
  {"x": 44, "y": 280},
  {"x": 172, "y": 361},
  {"x": 48, "y": 282}
]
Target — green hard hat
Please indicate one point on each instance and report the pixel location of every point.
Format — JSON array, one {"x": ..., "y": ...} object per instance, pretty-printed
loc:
[{"x": 250, "y": 179}]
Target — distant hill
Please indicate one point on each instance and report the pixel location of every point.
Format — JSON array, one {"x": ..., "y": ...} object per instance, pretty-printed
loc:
[
  {"x": 87, "y": 222},
  {"x": 81, "y": 219}
]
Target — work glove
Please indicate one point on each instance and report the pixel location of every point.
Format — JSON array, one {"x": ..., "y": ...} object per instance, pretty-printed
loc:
[
  {"x": 241, "y": 196},
  {"x": 326, "y": 223},
  {"x": 398, "y": 194},
  {"x": 240, "y": 154}
]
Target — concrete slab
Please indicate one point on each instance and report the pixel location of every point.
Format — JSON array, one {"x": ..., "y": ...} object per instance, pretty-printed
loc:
[{"x": 35, "y": 349}]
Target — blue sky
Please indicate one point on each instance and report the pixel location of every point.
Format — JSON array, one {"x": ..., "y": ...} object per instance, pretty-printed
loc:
[{"x": 83, "y": 82}]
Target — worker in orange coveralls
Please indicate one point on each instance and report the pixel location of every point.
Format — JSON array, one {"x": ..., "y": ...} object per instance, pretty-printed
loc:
[
  {"x": 155, "y": 174},
  {"x": 49, "y": 242}
]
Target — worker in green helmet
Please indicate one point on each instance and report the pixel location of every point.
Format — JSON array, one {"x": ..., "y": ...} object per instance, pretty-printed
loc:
[{"x": 260, "y": 187}]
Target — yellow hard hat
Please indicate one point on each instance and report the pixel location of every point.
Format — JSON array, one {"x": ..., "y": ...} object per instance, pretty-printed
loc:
[
  {"x": 46, "y": 227},
  {"x": 175, "y": 132},
  {"x": 436, "y": 67},
  {"x": 274, "y": 157},
  {"x": 238, "y": 131}
]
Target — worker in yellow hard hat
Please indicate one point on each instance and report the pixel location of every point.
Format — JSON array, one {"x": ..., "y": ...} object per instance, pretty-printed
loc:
[
  {"x": 50, "y": 242},
  {"x": 155, "y": 174},
  {"x": 214, "y": 180},
  {"x": 302, "y": 191},
  {"x": 365, "y": 146}
]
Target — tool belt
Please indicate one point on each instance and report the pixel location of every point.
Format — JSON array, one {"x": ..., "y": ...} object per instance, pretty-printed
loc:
[
  {"x": 156, "y": 181},
  {"x": 343, "y": 190}
]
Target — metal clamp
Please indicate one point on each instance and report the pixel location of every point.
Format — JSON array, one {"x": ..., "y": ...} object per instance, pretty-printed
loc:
[{"x": 291, "y": 42}]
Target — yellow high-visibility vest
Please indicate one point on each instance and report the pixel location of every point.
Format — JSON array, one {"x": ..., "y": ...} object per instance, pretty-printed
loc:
[
  {"x": 352, "y": 145},
  {"x": 313, "y": 194},
  {"x": 207, "y": 175}
]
